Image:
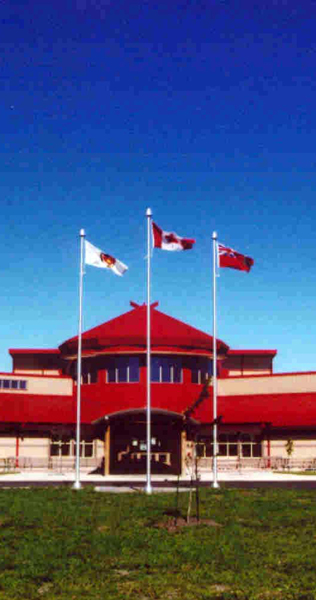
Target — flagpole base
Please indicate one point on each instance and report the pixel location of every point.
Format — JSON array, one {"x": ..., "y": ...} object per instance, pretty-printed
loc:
[
  {"x": 77, "y": 485},
  {"x": 215, "y": 484},
  {"x": 148, "y": 489}
]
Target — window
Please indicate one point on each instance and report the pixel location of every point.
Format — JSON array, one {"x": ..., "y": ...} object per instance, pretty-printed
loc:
[
  {"x": 60, "y": 446},
  {"x": 141, "y": 444},
  {"x": 87, "y": 377},
  {"x": 13, "y": 384},
  {"x": 123, "y": 369},
  {"x": 204, "y": 449},
  {"x": 86, "y": 448},
  {"x": 250, "y": 445},
  {"x": 201, "y": 370},
  {"x": 228, "y": 444},
  {"x": 65, "y": 446},
  {"x": 242, "y": 445},
  {"x": 90, "y": 377},
  {"x": 166, "y": 370}
]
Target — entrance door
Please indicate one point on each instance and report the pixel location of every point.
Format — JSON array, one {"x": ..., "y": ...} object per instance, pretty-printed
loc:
[{"x": 128, "y": 448}]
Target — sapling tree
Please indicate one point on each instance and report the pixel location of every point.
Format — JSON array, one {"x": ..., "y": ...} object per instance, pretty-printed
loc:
[
  {"x": 289, "y": 447},
  {"x": 192, "y": 466}
]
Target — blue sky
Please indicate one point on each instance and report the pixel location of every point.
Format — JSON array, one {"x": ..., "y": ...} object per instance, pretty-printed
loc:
[{"x": 203, "y": 111}]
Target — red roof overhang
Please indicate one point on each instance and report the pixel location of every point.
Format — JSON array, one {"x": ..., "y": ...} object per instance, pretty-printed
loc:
[
  {"x": 37, "y": 408},
  {"x": 14, "y": 351},
  {"x": 281, "y": 410},
  {"x": 251, "y": 352}
]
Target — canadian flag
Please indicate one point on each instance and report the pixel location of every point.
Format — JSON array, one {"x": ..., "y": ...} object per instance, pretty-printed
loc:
[
  {"x": 227, "y": 257},
  {"x": 96, "y": 258},
  {"x": 170, "y": 241}
]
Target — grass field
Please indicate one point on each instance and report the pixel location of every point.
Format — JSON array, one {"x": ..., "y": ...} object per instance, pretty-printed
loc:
[{"x": 250, "y": 544}]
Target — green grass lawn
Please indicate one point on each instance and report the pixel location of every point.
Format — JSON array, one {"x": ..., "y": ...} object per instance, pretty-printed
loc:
[{"x": 57, "y": 543}]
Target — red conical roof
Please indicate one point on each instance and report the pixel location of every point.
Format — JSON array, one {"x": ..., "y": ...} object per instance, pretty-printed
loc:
[{"x": 127, "y": 333}]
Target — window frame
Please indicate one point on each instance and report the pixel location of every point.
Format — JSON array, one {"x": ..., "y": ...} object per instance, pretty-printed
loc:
[
  {"x": 200, "y": 372},
  {"x": 7, "y": 384},
  {"x": 232, "y": 448},
  {"x": 169, "y": 365},
  {"x": 67, "y": 441},
  {"x": 115, "y": 368}
]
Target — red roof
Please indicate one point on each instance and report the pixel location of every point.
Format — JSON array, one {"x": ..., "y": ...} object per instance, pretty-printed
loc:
[
  {"x": 37, "y": 408},
  {"x": 128, "y": 333},
  {"x": 280, "y": 410},
  {"x": 252, "y": 352},
  {"x": 14, "y": 351}
]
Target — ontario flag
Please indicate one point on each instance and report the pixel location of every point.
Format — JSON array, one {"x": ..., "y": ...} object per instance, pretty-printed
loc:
[
  {"x": 96, "y": 258},
  {"x": 170, "y": 241},
  {"x": 227, "y": 257}
]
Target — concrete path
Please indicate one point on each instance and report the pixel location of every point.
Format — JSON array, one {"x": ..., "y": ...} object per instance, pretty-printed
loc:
[{"x": 247, "y": 478}]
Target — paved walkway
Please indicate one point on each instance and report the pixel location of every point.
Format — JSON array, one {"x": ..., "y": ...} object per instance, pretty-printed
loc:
[{"x": 38, "y": 477}]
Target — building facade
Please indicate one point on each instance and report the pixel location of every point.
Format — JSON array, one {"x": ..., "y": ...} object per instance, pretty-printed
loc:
[{"x": 265, "y": 418}]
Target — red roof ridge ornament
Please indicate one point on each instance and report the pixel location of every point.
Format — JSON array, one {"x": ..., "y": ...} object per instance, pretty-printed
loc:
[{"x": 135, "y": 305}]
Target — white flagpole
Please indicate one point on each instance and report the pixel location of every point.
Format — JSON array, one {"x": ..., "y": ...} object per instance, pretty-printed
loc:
[
  {"x": 148, "y": 387},
  {"x": 77, "y": 484},
  {"x": 215, "y": 480}
]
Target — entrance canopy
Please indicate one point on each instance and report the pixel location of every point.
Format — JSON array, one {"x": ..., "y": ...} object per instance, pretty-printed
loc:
[{"x": 133, "y": 413}]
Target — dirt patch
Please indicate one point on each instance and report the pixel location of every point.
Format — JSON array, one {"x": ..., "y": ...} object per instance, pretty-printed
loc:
[
  {"x": 217, "y": 587},
  {"x": 103, "y": 528},
  {"x": 122, "y": 572},
  {"x": 46, "y": 587},
  {"x": 179, "y": 523}
]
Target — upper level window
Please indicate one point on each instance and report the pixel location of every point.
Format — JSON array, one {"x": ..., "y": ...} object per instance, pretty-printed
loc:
[
  {"x": 201, "y": 369},
  {"x": 87, "y": 377},
  {"x": 89, "y": 373},
  {"x": 166, "y": 370},
  {"x": 123, "y": 369},
  {"x": 13, "y": 384},
  {"x": 90, "y": 377}
]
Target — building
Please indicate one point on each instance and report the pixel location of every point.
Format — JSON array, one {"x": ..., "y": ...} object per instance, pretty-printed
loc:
[{"x": 262, "y": 415}]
